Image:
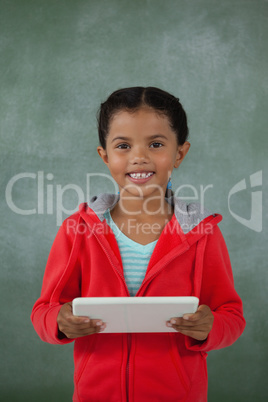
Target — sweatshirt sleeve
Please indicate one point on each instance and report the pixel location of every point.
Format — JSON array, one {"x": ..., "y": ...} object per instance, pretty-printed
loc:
[
  {"x": 61, "y": 284},
  {"x": 218, "y": 292}
]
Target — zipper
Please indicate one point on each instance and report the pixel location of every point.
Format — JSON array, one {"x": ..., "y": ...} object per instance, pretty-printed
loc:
[
  {"x": 128, "y": 334},
  {"x": 160, "y": 269},
  {"x": 127, "y": 366}
]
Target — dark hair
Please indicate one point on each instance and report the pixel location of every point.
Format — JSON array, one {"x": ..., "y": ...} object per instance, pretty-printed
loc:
[{"x": 132, "y": 99}]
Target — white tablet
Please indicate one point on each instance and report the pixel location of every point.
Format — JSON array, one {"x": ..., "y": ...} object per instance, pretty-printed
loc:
[{"x": 134, "y": 314}]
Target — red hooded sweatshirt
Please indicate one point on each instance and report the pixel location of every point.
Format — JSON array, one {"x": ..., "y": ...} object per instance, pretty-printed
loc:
[{"x": 190, "y": 259}]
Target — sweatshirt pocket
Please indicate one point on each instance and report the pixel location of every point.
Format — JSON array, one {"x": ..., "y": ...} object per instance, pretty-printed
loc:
[
  {"x": 176, "y": 358},
  {"x": 83, "y": 349},
  {"x": 99, "y": 372},
  {"x": 158, "y": 373}
]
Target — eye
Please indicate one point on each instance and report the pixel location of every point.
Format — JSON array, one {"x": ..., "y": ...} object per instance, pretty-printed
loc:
[
  {"x": 156, "y": 145},
  {"x": 122, "y": 146}
]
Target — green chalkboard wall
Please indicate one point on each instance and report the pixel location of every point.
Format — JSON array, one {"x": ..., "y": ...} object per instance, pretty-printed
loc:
[{"x": 59, "y": 60}]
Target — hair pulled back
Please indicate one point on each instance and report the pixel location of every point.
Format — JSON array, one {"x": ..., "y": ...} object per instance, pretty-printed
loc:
[{"x": 132, "y": 99}]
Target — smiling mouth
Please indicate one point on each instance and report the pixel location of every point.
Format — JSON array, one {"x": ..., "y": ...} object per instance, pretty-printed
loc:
[{"x": 140, "y": 175}]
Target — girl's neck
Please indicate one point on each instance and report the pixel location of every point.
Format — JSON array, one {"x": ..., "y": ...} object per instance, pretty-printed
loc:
[
  {"x": 143, "y": 209},
  {"x": 140, "y": 221}
]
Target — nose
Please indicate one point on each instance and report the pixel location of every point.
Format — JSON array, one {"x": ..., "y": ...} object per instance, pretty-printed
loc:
[{"x": 139, "y": 155}]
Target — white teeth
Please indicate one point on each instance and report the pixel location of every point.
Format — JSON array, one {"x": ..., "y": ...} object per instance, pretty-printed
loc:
[{"x": 140, "y": 175}]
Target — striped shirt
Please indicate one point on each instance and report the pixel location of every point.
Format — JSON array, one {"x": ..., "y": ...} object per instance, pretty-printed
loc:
[{"x": 135, "y": 256}]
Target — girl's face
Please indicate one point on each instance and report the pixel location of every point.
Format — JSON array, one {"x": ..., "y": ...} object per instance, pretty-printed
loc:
[{"x": 141, "y": 152}]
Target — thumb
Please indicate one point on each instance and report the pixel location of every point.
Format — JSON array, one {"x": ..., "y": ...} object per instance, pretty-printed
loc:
[{"x": 200, "y": 313}]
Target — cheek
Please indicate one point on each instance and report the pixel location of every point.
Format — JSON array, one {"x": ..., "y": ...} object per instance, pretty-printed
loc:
[
  {"x": 166, "y": 161},
  {"x": 116, "y": 163}
]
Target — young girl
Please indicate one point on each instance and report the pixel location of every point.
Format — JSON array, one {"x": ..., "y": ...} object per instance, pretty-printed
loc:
[{"x": 138, "y": 243}]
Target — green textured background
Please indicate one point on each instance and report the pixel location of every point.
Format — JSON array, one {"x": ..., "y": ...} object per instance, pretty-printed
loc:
[{"x": 59, "y": 60}]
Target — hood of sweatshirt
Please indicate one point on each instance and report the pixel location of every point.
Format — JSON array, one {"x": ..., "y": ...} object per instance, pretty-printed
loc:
[{"x": 188, "y": 215}]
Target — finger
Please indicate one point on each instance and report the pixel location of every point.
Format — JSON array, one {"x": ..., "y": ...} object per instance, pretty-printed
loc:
[
  {"x": 194, "y": 320},
  {"x": 81, "y": 319},
  {"x": 179, "y": 321},
  {"x": 95, "y": 324},
  {"x": 201, "y": 313},
  {"x": 78, "y": 332},
  {"x": 198, "y": 335},
  {"x": 90, "y": 330},
  {"x": 73, "y": 318},
  {"x": 197, "y": 332},
  {"x": 77, "y": 324},
  {"x": 77, "y": 320},
  {"x": 182, "y": 328}
]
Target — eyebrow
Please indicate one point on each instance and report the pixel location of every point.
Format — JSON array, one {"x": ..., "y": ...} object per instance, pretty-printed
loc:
[{"x": 152, "y": 137}]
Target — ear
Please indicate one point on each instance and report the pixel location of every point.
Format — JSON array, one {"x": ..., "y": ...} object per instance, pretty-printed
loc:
[
  {"x": 103, "y": 154},
  {"x": 181, "y": 153}
]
